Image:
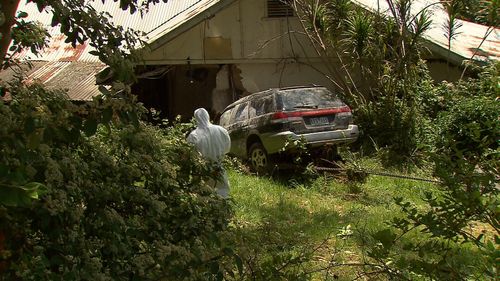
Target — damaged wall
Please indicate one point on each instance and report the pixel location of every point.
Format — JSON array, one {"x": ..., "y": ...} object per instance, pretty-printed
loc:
[
  {"x": 245, "y": 52},
  {"x": 259, "y": 77}
]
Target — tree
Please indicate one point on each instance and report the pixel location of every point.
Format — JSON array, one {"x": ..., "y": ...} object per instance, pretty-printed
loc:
[
  {"x": 87, "y": 191},
  {"x": 380, "y": 64},
  {"x": 7, "y": 20},
  {"x": 80, "y": 22}
]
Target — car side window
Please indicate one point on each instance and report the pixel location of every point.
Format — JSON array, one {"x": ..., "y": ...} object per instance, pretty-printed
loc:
[
  {"x": 263, "y": 105},
  {"x": 224, "y": 118},
  {"x": 241, "y": 112}
]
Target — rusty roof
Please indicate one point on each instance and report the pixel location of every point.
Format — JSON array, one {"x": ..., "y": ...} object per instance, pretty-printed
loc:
[
  {"x": 77, "y": 78},
  {"x": 59, "y": 65},
  {"x": 162, "y": 17}
]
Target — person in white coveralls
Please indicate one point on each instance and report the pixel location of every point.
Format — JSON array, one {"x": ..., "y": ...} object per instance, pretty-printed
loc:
[{"x": 213, "y": 142}]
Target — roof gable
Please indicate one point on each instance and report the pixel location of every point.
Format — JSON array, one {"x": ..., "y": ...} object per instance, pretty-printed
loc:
[{"x": 157, "y": 24}]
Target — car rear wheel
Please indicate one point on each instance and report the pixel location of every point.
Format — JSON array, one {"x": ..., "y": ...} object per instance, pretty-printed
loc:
[{"x": 260, "y": 161}]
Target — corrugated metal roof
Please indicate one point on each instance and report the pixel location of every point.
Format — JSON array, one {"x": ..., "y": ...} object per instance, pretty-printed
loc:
[
  {"x": 78, "y": 78},
  {"x": 60, "y": 65},
  {"x": 160, "y": 18},
  {"x": 464, "y": 44}
]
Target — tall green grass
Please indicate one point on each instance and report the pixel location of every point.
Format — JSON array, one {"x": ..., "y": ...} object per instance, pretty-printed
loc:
[
  {"x": 321, "y": 207},
  {"x": 308, "y": 221}
]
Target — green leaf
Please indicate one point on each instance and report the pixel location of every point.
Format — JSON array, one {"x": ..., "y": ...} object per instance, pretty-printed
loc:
[
  {"x": 104, "y": 73},
  {"x": 90, "y": 127},
  {"x": 18, "y": 176},
  {"x": 22, "y": 14},
  {"x": 386, "y": 237},
  {"x": 55, "y": 21},
  {"x": 34, "y": 189},
  {"x": 103, "y": 90},
  {"x": 13, "y": 196},
  {"x": 107, "y": 114},
  {"x": 29, "y": 125},
  {"x": 34, "y": 140},
  {"x": 134, "y": 118}
]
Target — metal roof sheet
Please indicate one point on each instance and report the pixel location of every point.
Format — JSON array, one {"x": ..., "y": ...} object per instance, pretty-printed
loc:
[
  {"x": 77, "y": 78},
  {"x": 160, "y": 18},
  {"x": 464, "y": 45},
  {"x": 59, "y": 65}
]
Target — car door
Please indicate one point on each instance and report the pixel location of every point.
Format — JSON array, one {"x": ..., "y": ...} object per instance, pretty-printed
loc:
[{"x": 238, "y": 129}]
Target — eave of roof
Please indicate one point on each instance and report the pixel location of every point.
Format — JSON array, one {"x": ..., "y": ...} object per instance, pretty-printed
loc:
[{"x": 466, "y": 43}]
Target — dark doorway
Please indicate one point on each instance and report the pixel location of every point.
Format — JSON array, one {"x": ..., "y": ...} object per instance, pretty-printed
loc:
[{"x": 152, "y": 89}]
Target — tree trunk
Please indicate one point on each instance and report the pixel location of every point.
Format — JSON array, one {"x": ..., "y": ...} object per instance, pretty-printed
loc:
[{"x": 8, "y": 8}]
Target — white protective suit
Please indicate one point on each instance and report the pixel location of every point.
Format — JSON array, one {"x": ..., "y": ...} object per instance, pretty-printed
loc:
[{"x": 212, "y": 141}]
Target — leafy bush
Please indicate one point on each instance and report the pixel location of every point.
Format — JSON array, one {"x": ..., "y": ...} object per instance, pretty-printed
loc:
[
  {"x": 128, "y": 203},
  {"x": 466, "y": 211}
]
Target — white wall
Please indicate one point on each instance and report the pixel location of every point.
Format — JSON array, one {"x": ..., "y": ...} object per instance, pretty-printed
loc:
[
  {"x": 267, "y": 54},
  {"x": 244, "y": 27},
  {"x": 258, "y": 77}
]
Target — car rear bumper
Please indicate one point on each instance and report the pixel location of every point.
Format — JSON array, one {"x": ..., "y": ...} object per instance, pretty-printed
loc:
[{"x": 275, "y": 142}]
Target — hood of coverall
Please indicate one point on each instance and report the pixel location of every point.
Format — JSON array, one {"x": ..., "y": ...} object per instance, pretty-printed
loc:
[{"x": 202, "y": 118}]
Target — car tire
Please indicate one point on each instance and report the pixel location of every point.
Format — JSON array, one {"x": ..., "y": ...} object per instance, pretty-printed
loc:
[{"x": 260, "y": 162}]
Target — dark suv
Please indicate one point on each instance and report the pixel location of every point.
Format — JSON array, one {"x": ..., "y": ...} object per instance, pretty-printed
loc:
[{"x": 262, "y": 123}]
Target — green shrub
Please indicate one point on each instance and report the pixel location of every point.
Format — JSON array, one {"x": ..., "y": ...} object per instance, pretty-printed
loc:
[
  {"x": 470, "y": 130},
  {"x": 128, "y": 203},
  {"x": 457, "y": 235}
]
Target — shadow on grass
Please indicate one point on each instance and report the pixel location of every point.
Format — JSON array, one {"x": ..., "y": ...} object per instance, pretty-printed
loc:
[{"x": 290, "y": 223}]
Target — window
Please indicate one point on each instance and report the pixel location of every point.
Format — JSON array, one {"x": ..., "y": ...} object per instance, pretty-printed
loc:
[
  {"x": 279, "y": 9},
  {"x": 308, "y": 98},
  {"x": 241, "y": 112},
  {"x": 263, "y": 105},
  {"x": 224, "y": 119}
]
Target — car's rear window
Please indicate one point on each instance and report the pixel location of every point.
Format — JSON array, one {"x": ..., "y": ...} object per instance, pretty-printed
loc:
[{"x": 294, "y": 99}]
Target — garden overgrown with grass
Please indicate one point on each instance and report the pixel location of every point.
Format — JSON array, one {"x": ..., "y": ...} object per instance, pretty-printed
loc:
[
  {"x": 314, "y": 229},
  {"x": 94, "y": 192},
  {"x": 350, "y": 225}
]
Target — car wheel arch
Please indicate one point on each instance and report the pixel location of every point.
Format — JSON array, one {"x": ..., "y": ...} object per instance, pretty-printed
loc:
[{"x": 251, "y": 140}]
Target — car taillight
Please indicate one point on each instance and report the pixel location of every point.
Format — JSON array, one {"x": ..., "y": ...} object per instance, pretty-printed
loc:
[{"x": 280, "y": 115}]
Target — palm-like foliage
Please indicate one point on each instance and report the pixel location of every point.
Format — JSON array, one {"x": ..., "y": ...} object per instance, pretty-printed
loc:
[
  {"x": 358, "y": 34},
  {"x": 373, "y": 58}
]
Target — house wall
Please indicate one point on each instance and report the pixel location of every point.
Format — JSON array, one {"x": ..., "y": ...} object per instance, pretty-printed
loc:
[
  {"x": 262, "y": 50},
  {"x": 441, "y": 71},
  {"x": 239, "y": 32}
]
